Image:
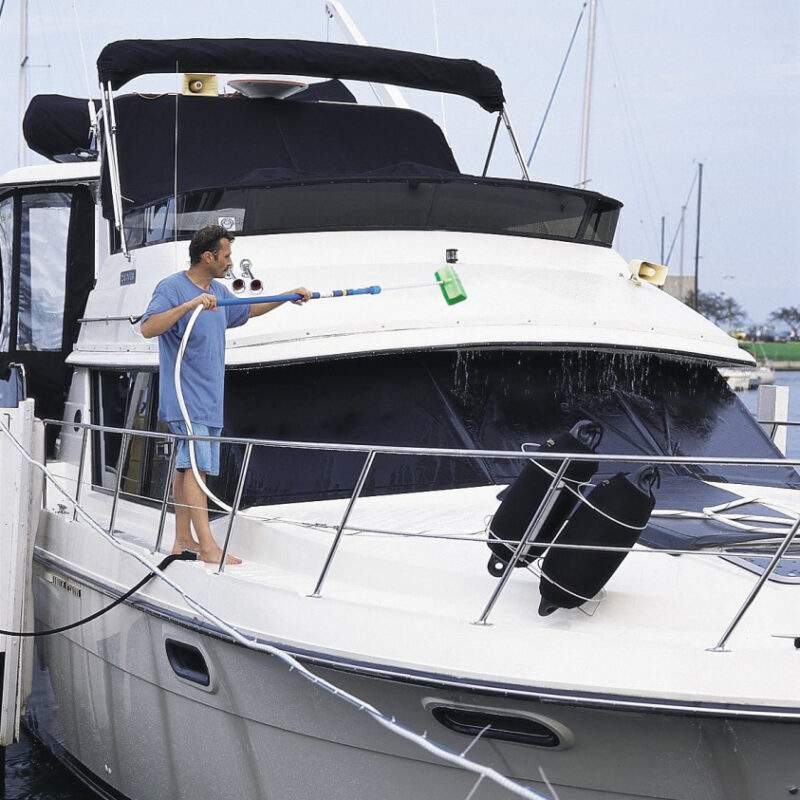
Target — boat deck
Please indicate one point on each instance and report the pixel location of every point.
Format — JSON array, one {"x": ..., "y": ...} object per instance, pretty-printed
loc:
[{"x": 409, "y": 580}]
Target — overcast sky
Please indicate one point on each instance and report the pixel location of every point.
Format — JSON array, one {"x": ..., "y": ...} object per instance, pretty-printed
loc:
[{"x": 678, "y": 82}]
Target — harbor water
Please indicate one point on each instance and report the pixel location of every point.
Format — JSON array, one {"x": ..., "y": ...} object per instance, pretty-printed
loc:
[{"x": 31, "y": 773}]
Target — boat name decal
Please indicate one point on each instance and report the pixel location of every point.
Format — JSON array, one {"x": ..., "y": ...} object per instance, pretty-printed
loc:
[{"x": 59, "y": 582}]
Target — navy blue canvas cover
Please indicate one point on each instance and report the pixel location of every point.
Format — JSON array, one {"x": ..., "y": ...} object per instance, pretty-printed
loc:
[
  {"x": 124, "y": 60},
  {"x": 221, "y": 140}
]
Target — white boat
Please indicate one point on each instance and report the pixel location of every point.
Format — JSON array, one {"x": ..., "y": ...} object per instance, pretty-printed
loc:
[
  {"x": 654, "y": 688},
  {"x": 742, "y": 379}
]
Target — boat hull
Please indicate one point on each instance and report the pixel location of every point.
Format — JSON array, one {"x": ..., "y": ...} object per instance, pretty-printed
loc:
[{"x": 107, "y": 700}]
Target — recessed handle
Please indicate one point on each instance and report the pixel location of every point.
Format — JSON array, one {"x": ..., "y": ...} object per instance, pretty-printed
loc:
[
  {"x": 187, "y": 662},
  {"x": 506, "y": 727}
]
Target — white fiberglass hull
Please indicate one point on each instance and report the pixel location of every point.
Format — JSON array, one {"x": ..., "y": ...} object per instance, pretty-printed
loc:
[{"x": 107, "y": 699}]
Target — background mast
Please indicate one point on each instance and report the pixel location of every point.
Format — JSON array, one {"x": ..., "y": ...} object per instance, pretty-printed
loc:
[
  {"x": 697, "y": 236},
  {"x": 23, "y": 79},
  {"x": 587, "y": 95}
]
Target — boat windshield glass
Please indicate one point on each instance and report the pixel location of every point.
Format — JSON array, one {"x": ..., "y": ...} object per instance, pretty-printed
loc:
[
  {"x": 510, "y": 208},
  {"x": 480, "y": 399}
]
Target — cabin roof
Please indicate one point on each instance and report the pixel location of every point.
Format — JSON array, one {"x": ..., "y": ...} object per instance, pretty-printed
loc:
[{"x": 51, "y": 172}]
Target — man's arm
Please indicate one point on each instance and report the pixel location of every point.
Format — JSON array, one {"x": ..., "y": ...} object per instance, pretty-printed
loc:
[
  {"x": 160, "y": 323},
  {"x": 257, "y": 309}
]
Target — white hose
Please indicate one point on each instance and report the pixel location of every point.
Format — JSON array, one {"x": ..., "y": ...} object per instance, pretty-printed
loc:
[{"x": 181, "y": 403}]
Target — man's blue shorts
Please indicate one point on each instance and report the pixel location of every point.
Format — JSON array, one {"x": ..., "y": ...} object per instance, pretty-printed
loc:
[{"x": 206, "y": 454}]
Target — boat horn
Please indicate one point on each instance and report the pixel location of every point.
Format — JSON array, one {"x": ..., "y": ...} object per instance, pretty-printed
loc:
[{"x": 245, "y": 267}]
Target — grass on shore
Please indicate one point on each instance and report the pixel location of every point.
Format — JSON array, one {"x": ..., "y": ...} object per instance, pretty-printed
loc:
[{"x": 774, "y": 351}]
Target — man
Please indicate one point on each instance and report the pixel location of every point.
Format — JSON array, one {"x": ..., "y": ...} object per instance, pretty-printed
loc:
[{"x": 202, "y": 373}]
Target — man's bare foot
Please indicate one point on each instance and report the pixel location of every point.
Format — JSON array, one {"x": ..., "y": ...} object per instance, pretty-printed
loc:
[
  {"x": 214, "y": 554},
  {"x": 184, "y": 544}
]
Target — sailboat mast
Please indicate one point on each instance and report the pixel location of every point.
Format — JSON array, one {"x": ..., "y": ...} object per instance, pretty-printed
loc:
[
  {"x": 587, "y": 95},
  {"x": 697, "y": 236},
  {"x": 23, "y": 79}
]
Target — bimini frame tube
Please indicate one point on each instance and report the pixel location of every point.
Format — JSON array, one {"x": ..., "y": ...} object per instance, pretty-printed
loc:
[
  {"x": 517, "y": 152},
  {"x": 491, "y": 144},
  {"x": 110, "y": 137}
]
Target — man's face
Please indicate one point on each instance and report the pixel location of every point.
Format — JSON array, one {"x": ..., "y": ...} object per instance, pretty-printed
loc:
[{"x": 220, "y": 263}]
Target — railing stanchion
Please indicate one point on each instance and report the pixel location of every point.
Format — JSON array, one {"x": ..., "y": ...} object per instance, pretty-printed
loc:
[
  {"x": 362, "y": 479},
  {"x": 80, "y": 474},
  {"x": 784, "y": 546},
  {"x": 123, "y": 454},
  {"x": 235, "y": 507},
  {"x": 534, "y": 527},
  {"x": 45, "y": 423},
  {"x": 173, "y": 454}
]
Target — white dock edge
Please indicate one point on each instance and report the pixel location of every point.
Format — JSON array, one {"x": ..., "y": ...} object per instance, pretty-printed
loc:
[
  {"x": 20, "y": 502},
  {"x": 773, "y": 405}
]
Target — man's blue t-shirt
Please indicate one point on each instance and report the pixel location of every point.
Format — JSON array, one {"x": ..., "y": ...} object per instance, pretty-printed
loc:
[{"x": 203, "y": 367}]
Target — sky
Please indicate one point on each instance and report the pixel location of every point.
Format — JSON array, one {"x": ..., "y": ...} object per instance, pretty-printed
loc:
[{"x": 675, "y": 83}]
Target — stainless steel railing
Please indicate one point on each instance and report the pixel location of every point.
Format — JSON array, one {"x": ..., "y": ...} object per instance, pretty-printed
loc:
[{"x": 371, "y": 451}]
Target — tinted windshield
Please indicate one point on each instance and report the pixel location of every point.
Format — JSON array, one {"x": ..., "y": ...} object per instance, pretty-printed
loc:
[
  {"x": 510, "y": 208},
  {"x": 481, "y": 400}
]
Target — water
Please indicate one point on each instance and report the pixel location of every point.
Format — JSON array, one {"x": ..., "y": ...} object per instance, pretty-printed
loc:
[{"x": 31, "y": 773}]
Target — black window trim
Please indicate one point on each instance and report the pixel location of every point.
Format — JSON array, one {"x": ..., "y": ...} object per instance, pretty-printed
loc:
[
  {"x": 595, "y": 203},
  {"x": 11, "y": 194},
  {"x": 72, "y": 189}
]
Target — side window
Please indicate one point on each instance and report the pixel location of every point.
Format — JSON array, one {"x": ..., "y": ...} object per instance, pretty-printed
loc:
[
  {"x": 128, "y": 400},
  {"x": 139, "y": 412},
  {"x": 109, "y": 403},
  {"x": 43, "y": 270},
  {"x": 6, "y": 264}
]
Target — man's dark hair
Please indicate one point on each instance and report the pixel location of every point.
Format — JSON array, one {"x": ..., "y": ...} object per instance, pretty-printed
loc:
[{"x": 207, "y": 239}]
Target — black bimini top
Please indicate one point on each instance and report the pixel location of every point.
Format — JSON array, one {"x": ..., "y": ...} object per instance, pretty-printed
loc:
[{"x": 120, "y": 62}]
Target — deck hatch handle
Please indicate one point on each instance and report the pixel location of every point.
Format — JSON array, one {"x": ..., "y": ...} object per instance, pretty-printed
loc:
[
  {"x": 187, "y": 662},
  {"x": 506, "y": 727}
]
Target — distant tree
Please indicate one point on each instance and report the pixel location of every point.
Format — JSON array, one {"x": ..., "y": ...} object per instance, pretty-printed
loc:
[
  {"x": 718, "y": 307},
  {"x": 789, "y": 316}
]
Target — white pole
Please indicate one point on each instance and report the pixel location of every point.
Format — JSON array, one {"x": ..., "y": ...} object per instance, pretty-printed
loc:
[
  {"x": 335, "y": 11},
  {"x": 587, "y": 95},
  {"x": 773, "y": 406},
  {"x": 20, "y": 499},
  {"x": 23, "y": 80},
  {"x": 438, "y": 53}
]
